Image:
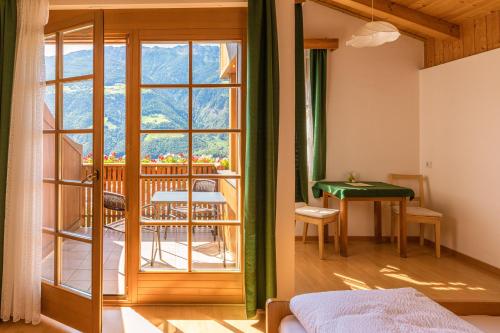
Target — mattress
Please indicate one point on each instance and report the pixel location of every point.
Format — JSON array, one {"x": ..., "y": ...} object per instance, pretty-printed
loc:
[
  {"x": 290, "y": 324},
  {"x": 487, "y": 324}
]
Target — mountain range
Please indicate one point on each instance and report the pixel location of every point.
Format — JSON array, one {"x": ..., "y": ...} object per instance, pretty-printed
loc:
[{"x": 161, "y": 108}]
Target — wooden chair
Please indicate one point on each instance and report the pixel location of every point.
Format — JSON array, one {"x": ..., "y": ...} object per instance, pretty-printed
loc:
[
  {"x": 416, "y": 214},
  {"x": 320, "y": 217}
]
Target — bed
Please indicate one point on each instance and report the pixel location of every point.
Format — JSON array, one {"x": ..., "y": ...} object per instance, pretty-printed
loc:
[{"x": 484, "y": 316}]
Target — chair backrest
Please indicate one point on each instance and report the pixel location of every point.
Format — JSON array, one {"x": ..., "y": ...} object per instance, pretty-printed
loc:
[
  {"x": 204, "y": 185},
  {"x": 397, "y": 179},
  {"x": 114, "y": 201}
]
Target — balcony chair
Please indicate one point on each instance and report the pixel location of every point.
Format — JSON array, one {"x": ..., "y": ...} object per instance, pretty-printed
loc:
[
  {"x": 116, "y": 202},
  {"x": 416, "y": 214}
]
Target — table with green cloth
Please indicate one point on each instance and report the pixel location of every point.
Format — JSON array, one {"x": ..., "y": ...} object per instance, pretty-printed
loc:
[{"x": 365, "y": 191}]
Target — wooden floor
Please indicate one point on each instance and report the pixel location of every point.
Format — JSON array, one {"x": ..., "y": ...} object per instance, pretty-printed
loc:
[
  {"x": 371, "y": 266},
  {"x": 156, "y": 319}
]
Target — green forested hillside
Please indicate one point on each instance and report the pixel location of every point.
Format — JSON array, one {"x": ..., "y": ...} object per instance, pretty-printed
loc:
[{"x": 161, "y": 108}]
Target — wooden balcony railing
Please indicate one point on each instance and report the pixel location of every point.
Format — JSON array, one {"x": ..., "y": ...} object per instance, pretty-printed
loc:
[{"x": 114, "y": 181}]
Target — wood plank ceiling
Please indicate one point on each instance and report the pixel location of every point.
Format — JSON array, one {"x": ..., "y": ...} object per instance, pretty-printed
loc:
[
  {"x": 451, "y": 29},
  {"x": 454, "y": 11},
  {"x": 424, "y": 18}
]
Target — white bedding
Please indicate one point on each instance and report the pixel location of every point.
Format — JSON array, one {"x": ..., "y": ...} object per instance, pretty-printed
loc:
[
  {"x": 391, "y": 310},
  {"x": 487, "y": 324}
]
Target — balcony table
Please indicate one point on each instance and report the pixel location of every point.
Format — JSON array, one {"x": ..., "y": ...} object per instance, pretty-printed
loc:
[
  {"x": 365, "y": 191},
  {"x": 168, "y": 198}
]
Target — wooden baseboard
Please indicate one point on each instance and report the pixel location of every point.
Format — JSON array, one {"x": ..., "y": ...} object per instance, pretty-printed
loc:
[
  {"x": 466, "y": 258},
  {"x": 385, "y": 239}
]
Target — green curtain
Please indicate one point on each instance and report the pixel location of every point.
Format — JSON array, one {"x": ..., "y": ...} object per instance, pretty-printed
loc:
[
  {"x": 261, "y": 154},
  {"x": 318, "y": 59},
  {"x": 8, "y": 25},
  {"x": 300, "y": 111}
]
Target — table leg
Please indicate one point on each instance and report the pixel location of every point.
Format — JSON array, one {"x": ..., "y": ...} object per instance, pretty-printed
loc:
[
  {"x": 343, "y": 227},
  {"x": 169, "y": 211},
  {"x": 325, "y": 200},
  {"x": 402, "y": 228},
  {"x": 377, "y": 210}
]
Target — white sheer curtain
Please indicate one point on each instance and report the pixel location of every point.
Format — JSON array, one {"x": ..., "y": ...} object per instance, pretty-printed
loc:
[{"x": 23, "y": 213}]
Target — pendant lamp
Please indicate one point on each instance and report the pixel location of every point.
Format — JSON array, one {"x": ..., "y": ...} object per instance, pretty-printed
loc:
[{"x": 374, "y": 33}]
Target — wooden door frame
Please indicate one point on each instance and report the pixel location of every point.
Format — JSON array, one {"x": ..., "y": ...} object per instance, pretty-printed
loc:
[
  {"x": 72, "y": 307},
  {"x": 132, "y": 23}
]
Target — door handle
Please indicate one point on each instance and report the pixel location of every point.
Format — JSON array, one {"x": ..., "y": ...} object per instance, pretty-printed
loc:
[{"x": 93, "y": 177}]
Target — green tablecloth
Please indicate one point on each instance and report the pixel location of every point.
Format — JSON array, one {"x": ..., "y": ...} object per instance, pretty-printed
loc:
[{"x": 343, "y": 190}]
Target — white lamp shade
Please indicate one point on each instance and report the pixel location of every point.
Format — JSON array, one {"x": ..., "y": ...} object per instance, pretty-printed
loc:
[{"x": 373, "y": 34}]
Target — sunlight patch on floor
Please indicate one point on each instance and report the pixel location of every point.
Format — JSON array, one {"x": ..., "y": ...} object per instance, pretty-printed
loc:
[
  {"x": 354, "y": 284},
  {"x": 247, "y": 326},
  {"x": 133, "y": 322}
]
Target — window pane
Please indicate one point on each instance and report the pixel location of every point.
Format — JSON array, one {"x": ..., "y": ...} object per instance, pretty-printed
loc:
[
  {"x": 162, "y": 151},
  {"x": 215, "y": 108},
  {"x": 78, "y": 105},
  {"x": 48, "y": 257},
  {"x": 114, "y": 262},
  {"x": 216, "y": 62},
  {"x": 114, "y": 102},
  {"x": 164, "y": 108},
  {"x": 164, "y": 199},
  {"x": 76, "y": 266},
  {"x": 49, "y": 112},
  {"x": 49, "y": 205},
  {"x": 165, "y": 63},
  {"x": 78, "y": 52},
  {"x": 218, "y": 150},
  {"x": 76, "y": 156},
  {"x": 113, "y": 174},
  {"x": 76, "y": 209},
  {"x": 216, "y": 199},
  {"x": 164, "y": 248},
  {"x": 215, "y": 248},
  {"x": 50, "y": 57}
]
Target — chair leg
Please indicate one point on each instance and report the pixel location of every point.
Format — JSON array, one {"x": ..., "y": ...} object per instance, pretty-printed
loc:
[
  {"x": 304, "y": 232},
  {"x": 422, "y": 234},
  {"x": 153, "y": 252},
  {"x": 437, "y": 231},
  {"x": 321, "y": 239},
  {"x": 392, "y": 227},
  {"x": 158, "y": 233}
]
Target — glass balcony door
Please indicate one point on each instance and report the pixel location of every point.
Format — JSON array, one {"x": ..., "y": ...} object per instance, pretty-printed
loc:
[
  {"x": 72, "y": 168},
  {"x": 189, "y": 156}
]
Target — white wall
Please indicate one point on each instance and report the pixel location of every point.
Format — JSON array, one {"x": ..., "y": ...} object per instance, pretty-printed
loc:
[
  {"x": 372, "y": 108},
  {"x": 285, "y": 244},
  {"x": 460, "y": 135}
]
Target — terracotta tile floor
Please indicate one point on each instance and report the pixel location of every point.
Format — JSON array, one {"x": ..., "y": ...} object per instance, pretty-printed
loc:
[{"x": 76, "y": 257}]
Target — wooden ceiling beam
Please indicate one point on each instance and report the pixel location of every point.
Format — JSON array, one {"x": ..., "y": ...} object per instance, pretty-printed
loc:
[
  {"x": 404, "y": 18},
  {"x": 321, "y": 43}
]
